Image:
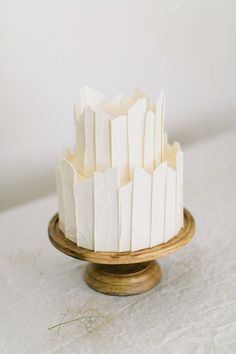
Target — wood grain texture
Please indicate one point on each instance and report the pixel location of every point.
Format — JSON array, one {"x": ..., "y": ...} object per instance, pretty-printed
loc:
[
  {"x": 120, "y": 280},
  {"x": 68, "y": 247}
]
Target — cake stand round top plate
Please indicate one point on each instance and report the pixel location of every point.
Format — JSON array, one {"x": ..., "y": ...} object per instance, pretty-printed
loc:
[{"x": 68, "y": 247}]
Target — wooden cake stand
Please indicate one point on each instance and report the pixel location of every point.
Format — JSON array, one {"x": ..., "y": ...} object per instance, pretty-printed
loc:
[{"x": 122, "y": 273}]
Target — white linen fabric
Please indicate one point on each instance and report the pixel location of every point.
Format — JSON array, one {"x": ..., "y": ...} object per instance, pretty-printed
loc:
[{"x": 46, "y": 307}]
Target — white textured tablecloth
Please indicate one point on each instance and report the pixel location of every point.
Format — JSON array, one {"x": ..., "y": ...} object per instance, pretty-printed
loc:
[{"x": 192, "y": 310}]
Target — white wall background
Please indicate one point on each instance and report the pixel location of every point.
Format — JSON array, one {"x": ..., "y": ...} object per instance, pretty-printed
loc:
[{"x": 49, "y": 49}]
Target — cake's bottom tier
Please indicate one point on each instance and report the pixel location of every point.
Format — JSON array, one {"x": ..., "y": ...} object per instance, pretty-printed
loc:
[
  {"x": 98, "y": 214},
  {"x": 68, "y": 247}
]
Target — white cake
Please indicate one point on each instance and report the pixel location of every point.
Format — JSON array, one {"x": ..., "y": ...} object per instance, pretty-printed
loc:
[{"x": 122, "y": 187}]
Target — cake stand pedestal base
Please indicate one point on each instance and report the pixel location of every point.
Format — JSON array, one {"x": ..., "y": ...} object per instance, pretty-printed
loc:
[
  {"x": 123, "y": 279},
  {"x": 122, "y": 273}
]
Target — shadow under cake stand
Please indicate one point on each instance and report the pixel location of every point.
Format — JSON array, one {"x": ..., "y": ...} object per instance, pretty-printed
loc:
[{"x": 122, "y": 273}]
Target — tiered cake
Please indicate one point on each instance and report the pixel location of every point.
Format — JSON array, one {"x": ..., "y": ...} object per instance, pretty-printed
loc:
[{"x": 122, "y": 187}]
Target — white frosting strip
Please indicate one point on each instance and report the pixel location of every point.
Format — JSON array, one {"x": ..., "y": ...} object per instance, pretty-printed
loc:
[
  {"x": 119, "y": 146},
  {"x": 158, "y": 205},
  {"x": 125, "y": 217},
  {"x": 68, "y": 176},
  {"x": 179, "y": 191},
  {"x": 170, "y": 206},
  {"x": 84, "y": 207},
  {"x": 106, "y": 212},
  {"x": 141, "y": 210},
  {"x": 85, "y": 142},
  {"x": 89, "y": 158},
  {"x": 102, "y": 140},
  {"x": 148, "y": 161},
  {"x": 61, "y": 209},
  {"x": 80, "y": 141},
  {"x": 159, "y": 130},
  {"x": 136, "y": 122}
]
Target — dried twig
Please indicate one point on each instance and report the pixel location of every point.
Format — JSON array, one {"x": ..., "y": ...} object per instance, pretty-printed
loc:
[{"x": 74, "y": 320}]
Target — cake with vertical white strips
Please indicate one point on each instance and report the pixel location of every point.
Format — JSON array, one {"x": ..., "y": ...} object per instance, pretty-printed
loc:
[{"x": 121, "y": 188}]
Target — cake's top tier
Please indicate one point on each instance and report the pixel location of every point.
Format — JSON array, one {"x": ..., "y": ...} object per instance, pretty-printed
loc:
[{"x": 124, "y": 132}]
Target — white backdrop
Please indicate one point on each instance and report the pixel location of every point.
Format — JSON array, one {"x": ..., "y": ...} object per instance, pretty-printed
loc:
[{"x": 49, "y": 49}]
